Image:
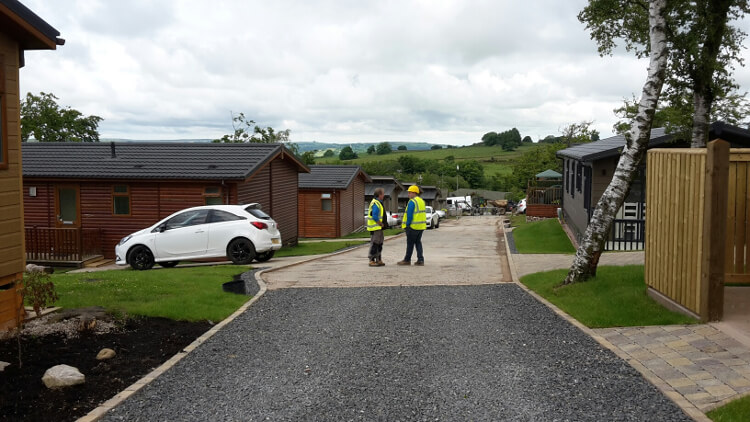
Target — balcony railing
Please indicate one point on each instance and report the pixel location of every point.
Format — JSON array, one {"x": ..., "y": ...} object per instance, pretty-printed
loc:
[
  {"x": 62, "y": 244},
  {"x": 626, "y": 235}
]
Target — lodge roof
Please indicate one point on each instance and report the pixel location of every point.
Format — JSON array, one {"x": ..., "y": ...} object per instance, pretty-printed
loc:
[
  {"x": 31, "y": 31},
  {"x": 331, "y": 177},
  {"x": 609, "y": 147},
  {"x": 150, "y": 160}
]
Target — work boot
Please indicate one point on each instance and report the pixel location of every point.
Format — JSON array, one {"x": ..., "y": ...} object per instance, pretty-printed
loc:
[
  {"x": 420, "y": 263},
  {"x": 380, "y": 263},
  {"x": 404, "y": 263},
  {"x": 374, "y": 263}
]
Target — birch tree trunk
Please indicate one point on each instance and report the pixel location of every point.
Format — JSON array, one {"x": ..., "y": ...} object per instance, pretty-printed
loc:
[{"x": 587, "y": 257}]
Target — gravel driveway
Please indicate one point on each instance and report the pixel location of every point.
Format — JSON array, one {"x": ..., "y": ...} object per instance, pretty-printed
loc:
[
  {"x": 399, "y": 353},
  {"x": 445, "y": 342}
]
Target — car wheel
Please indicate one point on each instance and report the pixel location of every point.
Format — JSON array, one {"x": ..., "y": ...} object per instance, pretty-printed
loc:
[
  {"x": 241, "y": 251},
  {"x": 168, "y": 264},
  {"x": 141, "y": 258},
  {"x": 264, "y": 256}
]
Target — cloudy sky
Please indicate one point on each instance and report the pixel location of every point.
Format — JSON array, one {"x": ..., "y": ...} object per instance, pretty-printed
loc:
[{"x": 332, "y": 70}]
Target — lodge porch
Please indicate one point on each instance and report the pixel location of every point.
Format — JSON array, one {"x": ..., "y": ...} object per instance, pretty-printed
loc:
[{"x": 64, "y": 247}]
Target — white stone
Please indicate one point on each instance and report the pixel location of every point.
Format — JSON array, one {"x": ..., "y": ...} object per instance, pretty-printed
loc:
[
  {"x": 62, "y": 376},
  {"x": 3, "y": 365},
  {"x": 105, "y": 353}
]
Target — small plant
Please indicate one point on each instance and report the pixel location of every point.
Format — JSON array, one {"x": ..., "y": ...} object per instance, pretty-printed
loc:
[{"x": 39, "y": 291}]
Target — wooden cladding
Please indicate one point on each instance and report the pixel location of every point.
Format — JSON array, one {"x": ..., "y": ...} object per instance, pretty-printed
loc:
[
  {"x": 696, "y": 241},
  {"x": 737, "y": 254}
]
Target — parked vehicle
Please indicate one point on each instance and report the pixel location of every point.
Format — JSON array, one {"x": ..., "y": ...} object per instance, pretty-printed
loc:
[
  {"x": 392, "y": 220},
  {"x": 433, "y": 220},
  {"x": 463, "y": 203},
  {"x": 239, "y": 232},
  {"x": 441, "y": 213},
  {"x": 521, "y": 207}
]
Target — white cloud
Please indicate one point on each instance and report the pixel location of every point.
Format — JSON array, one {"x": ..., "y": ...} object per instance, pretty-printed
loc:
[{"x": 331, "y": 70}]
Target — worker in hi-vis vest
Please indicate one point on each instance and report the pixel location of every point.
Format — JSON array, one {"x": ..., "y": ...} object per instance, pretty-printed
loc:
[
  {"x": 375, "y": 221},
  {"x": 415, "y": 223}
]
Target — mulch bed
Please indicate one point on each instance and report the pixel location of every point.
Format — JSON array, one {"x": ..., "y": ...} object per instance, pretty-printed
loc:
[{"x": 141, "y": 345}]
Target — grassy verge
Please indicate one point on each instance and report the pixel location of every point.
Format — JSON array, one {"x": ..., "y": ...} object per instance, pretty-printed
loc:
[
  {"x": 734, "y": 411},
  {"x": 191, "y": 294},
  {"x": 545, "y": 236},
  {"x": 316, "y": 248},
  {"x": 616, "y": 297},
  {"x": 518, "y": 220},
  {"x": 366, "y": 234}
]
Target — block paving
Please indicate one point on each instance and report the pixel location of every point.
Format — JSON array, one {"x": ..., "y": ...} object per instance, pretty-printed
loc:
[{"x": 699, "y": 362}]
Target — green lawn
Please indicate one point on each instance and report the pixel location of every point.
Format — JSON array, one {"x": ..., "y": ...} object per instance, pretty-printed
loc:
[
  {"x": 616, "y": 297},
  {"x": 545, "y": 236},
  {"x": 366, "y": 234},
  {"x": 317, "y": 248},
  {"x": 734, "y": 411},
  {"x": 191, "y": 294}
]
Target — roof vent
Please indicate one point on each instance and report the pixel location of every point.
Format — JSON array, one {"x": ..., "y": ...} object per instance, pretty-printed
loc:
[
  {"x": 112, "y": 148},
  {"x": 212, "y": 166}
]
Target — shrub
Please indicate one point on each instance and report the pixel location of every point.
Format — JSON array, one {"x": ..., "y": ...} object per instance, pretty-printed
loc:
[{"x": 39, "y": 291}]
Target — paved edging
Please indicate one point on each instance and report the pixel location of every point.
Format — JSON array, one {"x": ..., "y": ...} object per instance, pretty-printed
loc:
[
  {"x": 97, "y": 413},
  {"x": 665, "y": 388}
]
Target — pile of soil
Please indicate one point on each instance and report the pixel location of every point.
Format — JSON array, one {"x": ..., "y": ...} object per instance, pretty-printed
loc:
[{"x": 140, "y": 345}]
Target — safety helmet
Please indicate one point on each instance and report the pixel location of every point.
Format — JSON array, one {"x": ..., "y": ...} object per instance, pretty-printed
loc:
[{"x": 414, "y": 188}]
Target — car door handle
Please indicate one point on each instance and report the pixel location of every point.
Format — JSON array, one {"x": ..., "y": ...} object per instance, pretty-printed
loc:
[{"x": 200, "y": 231}]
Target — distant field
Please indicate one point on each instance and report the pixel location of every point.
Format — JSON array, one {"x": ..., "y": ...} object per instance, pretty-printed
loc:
[{"x": 493, "y": 159}]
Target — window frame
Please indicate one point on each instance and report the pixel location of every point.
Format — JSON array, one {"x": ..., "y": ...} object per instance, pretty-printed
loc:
[
  {"x": 126, "y": 194},
  {"x": 210, "y": 195},
  {"x": 323, "y": 201}
]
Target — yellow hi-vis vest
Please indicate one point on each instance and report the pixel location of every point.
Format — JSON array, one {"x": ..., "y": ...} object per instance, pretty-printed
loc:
[
  {"x": 373, "y": 225},
  {"x": 419, "y": 218}
]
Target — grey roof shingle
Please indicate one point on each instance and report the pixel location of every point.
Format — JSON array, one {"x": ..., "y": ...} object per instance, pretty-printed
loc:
[
  {"x": 330, "y": 177},
  {"x": 609, "y": 147},
  {"x": 147, "y": 160}
]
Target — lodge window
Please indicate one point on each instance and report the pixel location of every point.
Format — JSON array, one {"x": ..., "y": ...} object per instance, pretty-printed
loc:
[
  {"x": 121, "y": 200},
  {"x": 212, "y": 196},
  {"x": 579, "y": 170},
  {"x": 565, "y": 176},
  {"x": 326, "y": 204}
]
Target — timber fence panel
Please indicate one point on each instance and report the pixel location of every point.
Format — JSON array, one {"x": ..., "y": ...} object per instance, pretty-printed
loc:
[
  {"x": 737, "y": 257},
  {"x": 674, "y": 217}
]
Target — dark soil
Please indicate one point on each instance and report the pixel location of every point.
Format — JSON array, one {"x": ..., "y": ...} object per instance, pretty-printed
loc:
[{"x": 141, "y": 345}]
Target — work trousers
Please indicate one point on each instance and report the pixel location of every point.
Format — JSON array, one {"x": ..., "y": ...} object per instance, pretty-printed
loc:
[
  {"x": 376, "y": 245},
  {"x": 413, "y": 239}
]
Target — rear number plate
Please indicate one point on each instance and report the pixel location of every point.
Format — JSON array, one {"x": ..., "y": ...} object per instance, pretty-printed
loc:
[{"x": 275, "y": 241}]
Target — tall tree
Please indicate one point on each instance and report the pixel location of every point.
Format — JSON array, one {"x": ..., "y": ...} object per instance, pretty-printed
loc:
[
  {"x": 43, "y": 118},
  {"x": 704, "y": 48},
  {"x": 246, "y": 131},
  {"x": 347, "y": 153},
  {"x": 383, "y": 148},
  {"x": 636, "y": 141},
  {"x": 579, "y": 133}
]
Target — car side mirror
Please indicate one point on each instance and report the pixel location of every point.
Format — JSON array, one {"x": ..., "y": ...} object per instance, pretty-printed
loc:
[{"x": 162, "y": 228}]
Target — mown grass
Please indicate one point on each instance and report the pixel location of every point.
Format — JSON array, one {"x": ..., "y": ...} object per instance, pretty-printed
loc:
[
  {"x": 190, "y": 294},
  {"x": 316, "y": 248},
  {"x": 734, "y": 411},
  {"x": 616, "y": 297},
  {"x": 545, "y": 236},
  {"x": 366, "y": 234},
  {"x": 493, "y": 159}
]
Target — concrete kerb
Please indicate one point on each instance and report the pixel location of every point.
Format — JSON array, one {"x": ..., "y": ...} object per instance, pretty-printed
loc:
[
  {"x": 101, "y": 410},
  {"x": 673, "y": 395}
]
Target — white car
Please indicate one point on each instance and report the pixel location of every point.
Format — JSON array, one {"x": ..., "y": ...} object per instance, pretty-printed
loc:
[
  {"x": 441, "y": 214},
  {"x": 521, "y": 207},
  {"x": 239, "y": 232},
  {"x": 392, "y": 220},
  {"x": 433, "y": 220}
]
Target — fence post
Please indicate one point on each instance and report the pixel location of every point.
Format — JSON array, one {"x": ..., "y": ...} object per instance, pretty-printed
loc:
[{"x": 714, "y": 230}]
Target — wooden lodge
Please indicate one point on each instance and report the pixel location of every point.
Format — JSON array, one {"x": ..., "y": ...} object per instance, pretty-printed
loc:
[
  {"x": 80, "y": 199},
  {"x": 20, "y": 30},
  {"x": 330, "y": 200}
]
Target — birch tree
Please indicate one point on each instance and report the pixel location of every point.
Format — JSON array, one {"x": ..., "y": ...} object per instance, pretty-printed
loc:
[
  {"x": 704, "y": 49},
  {"x": 636, "y": 140}
]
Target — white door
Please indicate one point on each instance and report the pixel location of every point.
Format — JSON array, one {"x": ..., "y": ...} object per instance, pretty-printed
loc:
[{"x": 184, "y": 235}]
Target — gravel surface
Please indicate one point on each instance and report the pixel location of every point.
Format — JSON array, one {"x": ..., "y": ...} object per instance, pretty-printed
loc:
[{"x": 477, "y": 353}]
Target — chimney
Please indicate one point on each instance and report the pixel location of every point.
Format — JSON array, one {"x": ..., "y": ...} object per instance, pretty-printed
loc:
[{"x": 112, "y": 147}]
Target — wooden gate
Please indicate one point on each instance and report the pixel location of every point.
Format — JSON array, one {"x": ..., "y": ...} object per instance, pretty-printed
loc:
[{"x": 737, "y": 255}]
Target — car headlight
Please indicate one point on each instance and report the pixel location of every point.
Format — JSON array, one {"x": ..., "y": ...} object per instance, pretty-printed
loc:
[{"x": 125, "y": 239}]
